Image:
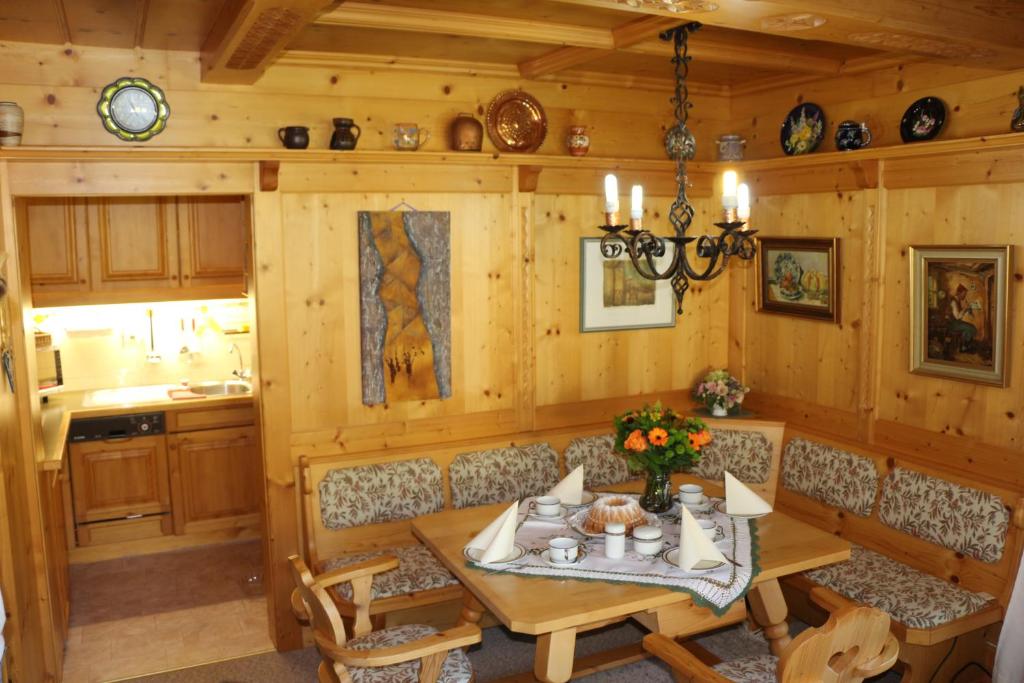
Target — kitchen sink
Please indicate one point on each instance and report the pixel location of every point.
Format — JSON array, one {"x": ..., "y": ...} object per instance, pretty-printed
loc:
[{"x": 225, "y": 388}]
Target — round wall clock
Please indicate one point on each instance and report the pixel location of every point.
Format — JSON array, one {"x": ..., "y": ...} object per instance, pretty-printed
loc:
[{"x": 133, "y": 109}]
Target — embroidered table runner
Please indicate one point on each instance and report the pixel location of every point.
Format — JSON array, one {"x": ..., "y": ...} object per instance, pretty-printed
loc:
[{"x": 716, "y": 589}]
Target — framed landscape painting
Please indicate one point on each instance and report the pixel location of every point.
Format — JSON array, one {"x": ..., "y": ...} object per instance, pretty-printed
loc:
[
  {"x": 798, "y": 277},
  {"x": 614, "y": 296},
  {"x": 958, "y": 310}
]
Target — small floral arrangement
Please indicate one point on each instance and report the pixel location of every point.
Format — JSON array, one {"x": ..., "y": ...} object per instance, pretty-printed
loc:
[
  {"x": 659, "y": 440},
  {"x": 719, "y": 388}
]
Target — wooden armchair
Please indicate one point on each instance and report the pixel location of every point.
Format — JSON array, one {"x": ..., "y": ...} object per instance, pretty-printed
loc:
[
  {"x": 395, "y": 655},
  {"x": 853, "y": 645}
]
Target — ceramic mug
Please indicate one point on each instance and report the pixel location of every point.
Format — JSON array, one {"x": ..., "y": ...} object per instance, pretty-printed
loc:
[
  {"x": 547, "y": 506},
  {"x": 691, "y": 494},
  {"x": 648, "y": 540},
  {"x": 851, "y": 135},
  {"x": 294, "y": 137},
  {"x": 563, "y": 550},
  {"x": 410, "y": 137},
  {"x": 709, "y": 528}
]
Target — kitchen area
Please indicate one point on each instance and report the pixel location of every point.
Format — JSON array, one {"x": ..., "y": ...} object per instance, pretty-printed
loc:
[{"x": 150, "y": 467}]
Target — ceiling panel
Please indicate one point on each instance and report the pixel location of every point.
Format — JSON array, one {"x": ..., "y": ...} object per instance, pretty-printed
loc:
[
  {"x": 32, "y": 21},
  {"x": 110, "y": 23},
  {"x": 180, "y": 25},
  {"x": 650, "y": 66},
  {"x": 536, "y": 10}
]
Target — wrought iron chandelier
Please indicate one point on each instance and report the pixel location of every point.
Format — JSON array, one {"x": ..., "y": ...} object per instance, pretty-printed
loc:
[{"x": 644, "y": 247}]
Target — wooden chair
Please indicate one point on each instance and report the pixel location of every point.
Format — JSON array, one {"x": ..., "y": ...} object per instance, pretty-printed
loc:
[
  {"x": 394, "y": 655},
  {"x": 853, "y": 645}
]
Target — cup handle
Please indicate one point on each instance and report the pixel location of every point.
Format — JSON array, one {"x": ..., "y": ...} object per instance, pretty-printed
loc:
[
  {"x": 424, "y": 137},
  {"x": 866, "y": 134},
  {"x": 280, "y": 135},
  {"x": 359, "y": 131}
]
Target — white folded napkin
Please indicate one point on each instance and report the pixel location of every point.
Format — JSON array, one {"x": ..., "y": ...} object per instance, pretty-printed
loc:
[
  {"x": 499, "y": 538},
  {"x": 694, "y": 545},
  {"x": 740, "y": 500},
  {"x": 570, "y": 489}
]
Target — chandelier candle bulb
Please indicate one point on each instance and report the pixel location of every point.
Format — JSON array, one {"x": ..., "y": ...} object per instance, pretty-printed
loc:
[
  {"x": 729, "y": 183},
  {"x": 611, "y": 194},
  {"x": 743, "y": 202}
]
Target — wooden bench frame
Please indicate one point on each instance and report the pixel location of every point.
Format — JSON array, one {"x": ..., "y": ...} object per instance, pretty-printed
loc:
[{"x": 922, "y": 650}]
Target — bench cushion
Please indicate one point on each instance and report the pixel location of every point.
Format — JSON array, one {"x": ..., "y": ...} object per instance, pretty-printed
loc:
[
  {"x": 753, "y": 669},
  {"x": 967, "y": 520},
  {"x": 747, "y": 455},
  {"x": 831, "y": 476},
  {"x": 602, "y": 466},
  {"x": 911, "y": 597},
  {"x": 418, "y": 570},
  {"x": 456, "y": 668},
  {"x": 386, "y": 492},
  {"x": 502, "y": 475}
]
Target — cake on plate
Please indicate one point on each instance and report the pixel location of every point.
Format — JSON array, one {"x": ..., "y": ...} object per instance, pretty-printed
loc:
[{"x": 614, "y": 509}]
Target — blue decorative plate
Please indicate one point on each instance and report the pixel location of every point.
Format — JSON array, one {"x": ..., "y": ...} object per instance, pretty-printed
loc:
[
  {"x": 803, "y": 130},
  {"x": 923, "y": 120}
]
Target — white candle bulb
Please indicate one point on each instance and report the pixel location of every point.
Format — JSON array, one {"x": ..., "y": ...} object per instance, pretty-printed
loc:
[
  {"x": 611, "y": 193},
  {"x": 729, "y": 181},
  {"x": 743, "y": 202},
  {"x": 636, "y": 208}
]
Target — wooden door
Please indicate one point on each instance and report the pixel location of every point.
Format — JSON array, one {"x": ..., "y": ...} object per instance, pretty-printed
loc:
[
  {"x": 118, "y": 479},
  {"x": 134, "y": 245},
  {"x": 51, "y": 488},
  {"x": 56, "y": 232},
  {"x": 214, "y": 477},
  {"x": 212, "y": 239}
]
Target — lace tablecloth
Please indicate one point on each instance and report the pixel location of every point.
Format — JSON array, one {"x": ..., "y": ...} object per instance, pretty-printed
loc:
[{"x": 716, "y": 588}]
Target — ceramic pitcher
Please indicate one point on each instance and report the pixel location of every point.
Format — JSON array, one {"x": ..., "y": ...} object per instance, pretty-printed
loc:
[{"x": 343, "y": 138}]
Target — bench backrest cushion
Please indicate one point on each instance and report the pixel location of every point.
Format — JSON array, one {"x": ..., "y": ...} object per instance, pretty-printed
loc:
[
  {"x": 830, "y": 475},
  {"x": 386, "y": 492},
  {"x": 602, "y": 466},
  {"x": 501, "y": 475},
  {"x": 747, "y": 455},
  {"x": 967, "y": 520}
]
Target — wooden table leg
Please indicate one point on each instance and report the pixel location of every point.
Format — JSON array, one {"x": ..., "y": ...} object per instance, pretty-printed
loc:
[
  {"x": 555, "y": 654},
  {"x": 472, "y": 609},
  {"x": 770, "y": 611}
]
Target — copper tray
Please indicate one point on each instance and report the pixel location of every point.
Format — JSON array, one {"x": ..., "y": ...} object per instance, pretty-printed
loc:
[{"x": 516, "y": 122}]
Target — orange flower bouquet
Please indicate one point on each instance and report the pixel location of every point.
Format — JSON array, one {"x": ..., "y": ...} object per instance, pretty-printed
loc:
[{"x": 658, "y": 441}]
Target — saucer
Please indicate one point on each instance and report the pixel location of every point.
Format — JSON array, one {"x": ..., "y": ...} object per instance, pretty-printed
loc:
[
  {"x": 703, "y": 506},
  {"x": 474, "y": 555},
  {"x": 562, "y": 512},
  {"x": 720, "y": 507},
  {"x": 671, "y": 556},
  {"x": 546, "y": 556},
  {"x": 587, "y": 498}
]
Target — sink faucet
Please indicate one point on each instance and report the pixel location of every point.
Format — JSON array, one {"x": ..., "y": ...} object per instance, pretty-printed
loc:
[{"x": 242, "y": 372}]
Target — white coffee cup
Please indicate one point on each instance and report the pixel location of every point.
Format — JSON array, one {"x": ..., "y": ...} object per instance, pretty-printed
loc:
[
  {"x": 563, "y": 550},
  {"x": 691, "y": 494},
  {"x": 548, "y": 506},
  {"x": 709, "y": 528}
]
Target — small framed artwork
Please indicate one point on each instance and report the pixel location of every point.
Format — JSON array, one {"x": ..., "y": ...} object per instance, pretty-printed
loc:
[
  {"x": 958, "y": 312},
  {"x": 614, "y": 296},
  {"x": 798, "y": 277}
]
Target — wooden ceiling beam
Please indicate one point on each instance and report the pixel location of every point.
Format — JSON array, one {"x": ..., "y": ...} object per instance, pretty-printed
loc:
[
  {"x": 739, "y": 53},
  {"x": 141, "y": 15},
  {"x": 248, "y": 35}
]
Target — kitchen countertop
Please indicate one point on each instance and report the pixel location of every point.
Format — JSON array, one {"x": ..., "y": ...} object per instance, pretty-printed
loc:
[{"x": 63, "y": 407}]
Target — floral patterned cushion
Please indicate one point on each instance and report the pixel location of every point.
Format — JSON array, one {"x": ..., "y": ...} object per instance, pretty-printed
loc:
[
  {"x": 754, "y": 669},
  {"x": 353, "y": 496},
  {"x": 967, "y": 520},
  {"x": 418, "y": 570},
  {"x": 911, "y": 597},
  {"x": 834, "y": 477},
  {"x": 601, "y": 465},
  {"x": 502, "y": 475},
  {"x": 456, "y": 669},
  {"x": 746, "y": 454}
]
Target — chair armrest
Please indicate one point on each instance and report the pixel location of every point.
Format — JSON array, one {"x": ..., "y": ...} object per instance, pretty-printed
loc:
[
  {"x": 377, "y": 565},
  {"x": 460, "y": 636},
  {"x": 299, "y": 608},
  {"x": 829, "y": 600},
  {"x": 883, "y": 662},
  {"x": 682, "y": 662}
]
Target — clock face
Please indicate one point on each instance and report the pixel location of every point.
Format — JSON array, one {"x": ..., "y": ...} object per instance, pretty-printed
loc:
[{"x": 133, "y": 109}]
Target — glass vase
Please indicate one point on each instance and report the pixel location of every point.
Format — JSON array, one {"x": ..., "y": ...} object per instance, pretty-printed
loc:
[{"x": 657, "y": 496}]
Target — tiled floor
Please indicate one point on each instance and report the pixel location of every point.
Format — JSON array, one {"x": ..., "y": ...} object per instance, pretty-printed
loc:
[{"x": 142, "y": 615}]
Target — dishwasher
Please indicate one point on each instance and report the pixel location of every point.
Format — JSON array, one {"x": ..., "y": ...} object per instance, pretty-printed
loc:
[{"x": 119, "y": 483}]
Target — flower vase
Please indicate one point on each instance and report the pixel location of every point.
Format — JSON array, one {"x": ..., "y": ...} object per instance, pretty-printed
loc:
[
  {"x": 719, "y": 410},
  {"x": 657, "y": 496}
]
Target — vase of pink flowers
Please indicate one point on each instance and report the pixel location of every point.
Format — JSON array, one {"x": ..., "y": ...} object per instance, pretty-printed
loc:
[{"x": 720, "y": 392}]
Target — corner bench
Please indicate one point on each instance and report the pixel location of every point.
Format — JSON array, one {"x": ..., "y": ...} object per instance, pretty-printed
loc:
[{"x": 935, "y": 551}]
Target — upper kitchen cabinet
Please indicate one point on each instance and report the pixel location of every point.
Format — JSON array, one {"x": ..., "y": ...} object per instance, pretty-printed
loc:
[{"x": 129, "y": 249}]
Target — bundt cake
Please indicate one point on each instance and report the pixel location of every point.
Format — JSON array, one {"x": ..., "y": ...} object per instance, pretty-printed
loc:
[{"x": 614, "y": 509}]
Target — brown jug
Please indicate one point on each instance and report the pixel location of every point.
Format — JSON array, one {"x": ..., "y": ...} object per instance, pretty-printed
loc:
[{"x": 343, "y": 138}]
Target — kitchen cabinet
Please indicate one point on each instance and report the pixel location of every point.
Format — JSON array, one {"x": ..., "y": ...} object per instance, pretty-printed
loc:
[
  {"x": 133, "y": 243},
  {"x": 214, "y": 478},
  {"x": 58, "y": 243},
  {"x": 119, "y": 479},
  {"x": 213, "y": 240}
]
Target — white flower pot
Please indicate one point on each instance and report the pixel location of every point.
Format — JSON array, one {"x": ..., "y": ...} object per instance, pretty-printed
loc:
[{"x": 719, "y": 411}]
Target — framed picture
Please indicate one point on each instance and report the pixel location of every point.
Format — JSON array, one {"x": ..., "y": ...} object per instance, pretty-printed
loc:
[
  {"x": 958, "y": 310},
  {"x": 798, "y": 277},
  {"x": 614, "y": 296}
]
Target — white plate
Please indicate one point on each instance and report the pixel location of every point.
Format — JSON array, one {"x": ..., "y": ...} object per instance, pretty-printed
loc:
[
  {"x": 474, "y": 555},
  {"x": 671, "y": 556},
  {"x": 587, "y": 498},
  {"x": 546, "y": 556},
  {"x": 562, "y": 512},
  {"x": 577, "y": 518},
  {"x": 720, "y": 507}
]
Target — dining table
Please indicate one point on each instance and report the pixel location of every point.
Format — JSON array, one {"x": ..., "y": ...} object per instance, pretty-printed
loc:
[{"x": 555, "y": 609}]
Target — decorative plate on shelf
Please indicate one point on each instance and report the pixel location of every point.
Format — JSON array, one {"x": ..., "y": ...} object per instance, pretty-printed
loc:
[
  {"x": 516, "y": 122},
  {"x": 923, "y": 120},
  {"x": 803, "y": 129}
]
